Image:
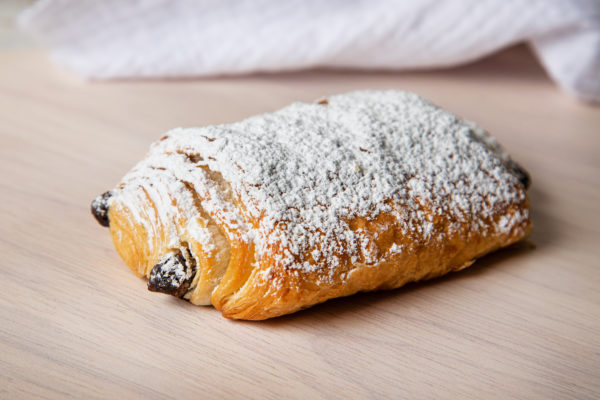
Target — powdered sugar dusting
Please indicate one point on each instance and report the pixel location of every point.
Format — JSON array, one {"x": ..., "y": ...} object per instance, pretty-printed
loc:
[
  {"x": 202, "y": 235},
  {"x": 304, "y": 172}
]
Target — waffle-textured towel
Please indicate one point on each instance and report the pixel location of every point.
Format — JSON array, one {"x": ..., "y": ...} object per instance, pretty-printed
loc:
[{"x": 166, "y": 38}]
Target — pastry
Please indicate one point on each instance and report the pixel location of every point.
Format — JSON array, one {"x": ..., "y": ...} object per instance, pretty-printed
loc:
[{"x": 362, "y": 191}]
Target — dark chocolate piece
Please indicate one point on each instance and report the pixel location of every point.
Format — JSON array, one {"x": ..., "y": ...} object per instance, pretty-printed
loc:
[
  {"x": 100, "y": 208},
  {"x": 171, "y": 276},
  {"x": 522, "y": 175}
]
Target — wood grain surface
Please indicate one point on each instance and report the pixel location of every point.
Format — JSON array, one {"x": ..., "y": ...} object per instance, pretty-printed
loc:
[{"x": 76, "y": 323}]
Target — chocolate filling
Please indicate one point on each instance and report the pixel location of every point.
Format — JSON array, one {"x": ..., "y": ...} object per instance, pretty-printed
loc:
[
  {"x": 171, "y": 276},
  {"x": 100, "y": 208},
  {"x": 522, "y": 175}
]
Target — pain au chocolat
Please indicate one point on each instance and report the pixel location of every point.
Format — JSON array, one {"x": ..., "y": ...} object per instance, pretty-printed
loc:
[{"x": 362, "y": 191}]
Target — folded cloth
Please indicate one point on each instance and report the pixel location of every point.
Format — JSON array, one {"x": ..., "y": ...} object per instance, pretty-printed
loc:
[{"x": 106, "y": 39}]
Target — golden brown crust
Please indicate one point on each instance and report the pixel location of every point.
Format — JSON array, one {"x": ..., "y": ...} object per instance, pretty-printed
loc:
[
  {"x": 236, "y": 249},
  {"x": 257, "y": 291},
  {"x": 259, "y": 299}
]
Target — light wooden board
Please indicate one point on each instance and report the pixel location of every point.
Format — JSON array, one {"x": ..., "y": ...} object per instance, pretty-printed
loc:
[{"x": 75, "y": 323}]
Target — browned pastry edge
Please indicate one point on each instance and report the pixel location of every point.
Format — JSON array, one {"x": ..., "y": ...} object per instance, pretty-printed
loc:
[{"x": 248, "y": 293}]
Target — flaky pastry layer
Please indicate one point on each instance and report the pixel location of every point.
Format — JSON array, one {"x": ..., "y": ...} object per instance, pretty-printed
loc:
[{"x": 359, "y": 192}]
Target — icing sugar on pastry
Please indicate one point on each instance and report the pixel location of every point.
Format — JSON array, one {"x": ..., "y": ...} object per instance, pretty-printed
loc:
[{"x": 304, "y": 173}]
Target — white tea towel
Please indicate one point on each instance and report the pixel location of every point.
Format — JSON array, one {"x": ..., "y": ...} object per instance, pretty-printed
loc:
[{"x": 106, "y": 39}]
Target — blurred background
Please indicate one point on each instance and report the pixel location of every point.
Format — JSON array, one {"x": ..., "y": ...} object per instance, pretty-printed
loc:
[
  {"x": 112, "y": 39},
  {"x": 11, "y": 37}
]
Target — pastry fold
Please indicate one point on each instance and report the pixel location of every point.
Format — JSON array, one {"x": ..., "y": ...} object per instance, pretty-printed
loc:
[{"x": 362, "y": 191}]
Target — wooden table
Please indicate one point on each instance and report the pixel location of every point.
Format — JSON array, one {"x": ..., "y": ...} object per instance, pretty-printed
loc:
[{"x": 75, "y": 323}]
